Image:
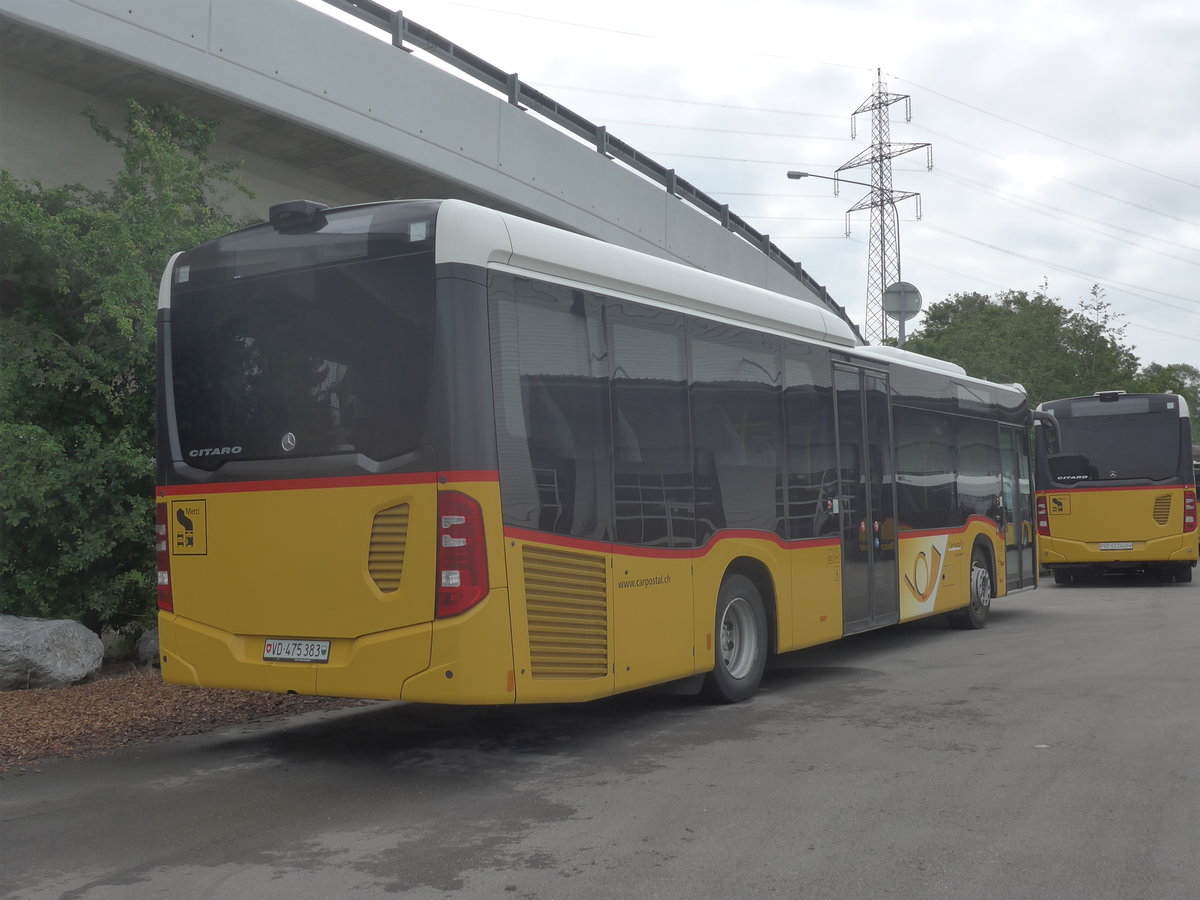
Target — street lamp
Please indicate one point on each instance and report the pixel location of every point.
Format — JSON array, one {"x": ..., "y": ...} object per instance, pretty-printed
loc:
[
  {"x": 794, "y": 175},
  {"x": 900, "y": 301}
]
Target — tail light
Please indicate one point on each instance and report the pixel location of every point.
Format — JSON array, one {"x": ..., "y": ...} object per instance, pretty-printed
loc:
[
  {"x": 162, "y": 554},
  {"x": 461, "y": 555},
  {"x": 1043, "y": 517},
  {"x": 1189, "y": 511}
]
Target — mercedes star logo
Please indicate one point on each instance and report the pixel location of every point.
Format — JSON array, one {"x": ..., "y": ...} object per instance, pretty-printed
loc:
[{"x": 289, "y": 442}]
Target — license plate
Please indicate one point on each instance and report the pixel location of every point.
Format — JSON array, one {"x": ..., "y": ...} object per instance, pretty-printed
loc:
[
  {"x": 287, "y": 650},
  {"x": 1116, "y": 545}
]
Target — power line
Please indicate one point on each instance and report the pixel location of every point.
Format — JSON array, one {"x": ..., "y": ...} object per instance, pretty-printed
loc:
[
  {"x": 1049, "y": 211},
  {"x": 883, "y": 250},
  {"x": 684, "y": 102},
  {"x": 791, "y": 135},
  {"x": 975, "y": 185},
  {"x": 1047, "y": 134},
  {"x": 659, "y": 37},
  {"x": 1074, "y": 184},
  {"x": 638, "y": 34},
  {"x": 1130, "y": 288},
  {"x": 552, "y": 21},
  {"x": 753, "y": 133},
  {"x": 1073, "y": 221}
]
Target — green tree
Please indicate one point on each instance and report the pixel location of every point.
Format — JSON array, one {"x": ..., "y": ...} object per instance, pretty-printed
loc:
[
  {"x": 1030, "y": 339},
  {"x": 1176, "y": 378},
  {"x": 78, "y": 287}
]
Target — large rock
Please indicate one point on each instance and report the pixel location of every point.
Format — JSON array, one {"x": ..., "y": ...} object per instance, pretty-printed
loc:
[
  {"x": 46, "y": 652},
  {"x": 147, "y": 648}
]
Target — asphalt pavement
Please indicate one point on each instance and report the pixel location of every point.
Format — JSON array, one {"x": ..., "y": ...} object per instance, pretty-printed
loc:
[{"x": 1050, "y": 755}]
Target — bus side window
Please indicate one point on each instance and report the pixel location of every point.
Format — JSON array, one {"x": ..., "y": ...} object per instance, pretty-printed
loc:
[
  {"x": 925, "y": 469},
  {"x": 625, "y": 442},
  {"x": 654, "y": 500},
  {"x": 737, "y": 428},
  {"x": 552, "y": 456},
  {"x": 550, "y": 370},
  {"x": 815, "y": 487},
  {"x": 978, "y": 468}
]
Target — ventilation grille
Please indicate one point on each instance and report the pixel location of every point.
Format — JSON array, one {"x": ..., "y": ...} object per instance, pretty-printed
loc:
[
  {"x": 385, "y": 559},
  {"x": 566, "y": 598},
  {"x": 1162, "y": 509}
]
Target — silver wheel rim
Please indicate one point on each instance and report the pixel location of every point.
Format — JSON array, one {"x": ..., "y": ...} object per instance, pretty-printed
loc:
[
  {"x": 738, "y": 638},
  {"x": 981, "y": 587}
]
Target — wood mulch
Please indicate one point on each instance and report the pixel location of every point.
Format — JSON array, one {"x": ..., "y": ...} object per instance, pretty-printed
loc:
[{"x": 126, "y": 704}]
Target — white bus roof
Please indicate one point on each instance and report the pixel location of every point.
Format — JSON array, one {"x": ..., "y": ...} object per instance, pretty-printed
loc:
[
  {"x": 1184, "y": 410},
  {"x": 479, "y": 236}
]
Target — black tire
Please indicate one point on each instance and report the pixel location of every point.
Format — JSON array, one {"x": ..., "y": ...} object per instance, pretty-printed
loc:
[
  {"x": 1183, "y": 574},
  {"x": 740, "y": 638},
  {"x": 974, "y": 614},
  {"x": 1062, "y": 576}
]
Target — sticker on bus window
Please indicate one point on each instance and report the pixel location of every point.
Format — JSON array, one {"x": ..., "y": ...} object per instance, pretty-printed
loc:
[{"x": 189, "y": 528}]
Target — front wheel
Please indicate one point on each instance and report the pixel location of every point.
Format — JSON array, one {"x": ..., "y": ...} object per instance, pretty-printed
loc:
[
  {"x": 975, "y": 614},
  {"x": 741, "y": 642}
]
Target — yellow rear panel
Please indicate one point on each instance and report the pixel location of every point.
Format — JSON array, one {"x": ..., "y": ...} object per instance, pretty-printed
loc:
[
  {"x": 344, "y": 561},
  {"x": 1116, "y": 525}
]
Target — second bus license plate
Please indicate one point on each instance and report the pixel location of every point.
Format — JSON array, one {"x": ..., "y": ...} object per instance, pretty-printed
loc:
[
  {"x": 286, "y": 650},
  {"x": 1116, "y": 545}
]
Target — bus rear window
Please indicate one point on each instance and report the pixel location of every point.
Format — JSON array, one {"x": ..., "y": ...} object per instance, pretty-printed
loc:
[
  {"x": 310, "y": 362},
  {"x": 1140, "y": 445}
]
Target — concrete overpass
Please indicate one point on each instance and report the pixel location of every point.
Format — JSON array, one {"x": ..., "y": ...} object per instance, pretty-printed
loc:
[{"x": 318, "y": 108}]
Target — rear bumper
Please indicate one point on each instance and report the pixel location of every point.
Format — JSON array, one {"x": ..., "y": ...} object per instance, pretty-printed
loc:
[
  {"x": 1059, "y": 553},
  {"x": 466, "y": 659},
  {"x": 373, "y": 666}
]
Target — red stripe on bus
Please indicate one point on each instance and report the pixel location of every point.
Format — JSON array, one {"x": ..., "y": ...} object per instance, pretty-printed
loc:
[
  {"x": 341, "y": 481},
  {"x": 572, "y": 543},
  {"x": 938, "y": 532},
  {"x": 1134, "y": 487},
  {"x": 466, "y": 475}
]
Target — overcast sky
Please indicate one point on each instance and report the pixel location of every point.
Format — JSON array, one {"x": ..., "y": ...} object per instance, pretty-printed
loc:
[{"x": 1066, "y": 135}]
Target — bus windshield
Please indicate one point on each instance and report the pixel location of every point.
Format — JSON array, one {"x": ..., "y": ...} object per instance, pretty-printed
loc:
[{"x": 307, "y": 362}]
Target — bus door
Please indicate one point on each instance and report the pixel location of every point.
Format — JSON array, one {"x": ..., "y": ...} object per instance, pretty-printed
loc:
[
  {"x": 870, "y": 586},
  {"x": 1016, "y": 522}
]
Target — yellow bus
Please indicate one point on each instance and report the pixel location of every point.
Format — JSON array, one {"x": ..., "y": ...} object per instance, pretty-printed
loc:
[
  {"x": 424, "y": 450},
  {"x": 1116, "y": 487}
]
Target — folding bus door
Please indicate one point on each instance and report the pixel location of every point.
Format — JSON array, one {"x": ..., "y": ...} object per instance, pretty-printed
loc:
[{"x": 1017, "y": 509}]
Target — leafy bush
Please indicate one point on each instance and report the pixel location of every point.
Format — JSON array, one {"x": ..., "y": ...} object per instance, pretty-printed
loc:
[{"x": 78, "y": 288}]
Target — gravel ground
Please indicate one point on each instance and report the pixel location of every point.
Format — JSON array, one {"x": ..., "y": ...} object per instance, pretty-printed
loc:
[{"x": 124, "y": 704}]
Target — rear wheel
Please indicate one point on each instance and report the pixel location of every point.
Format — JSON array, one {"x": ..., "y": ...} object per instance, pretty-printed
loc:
[
  {"x": 1062, "y": 576},
  {"x": 741, "y": 642},
  {"x": 974, "y": 614},
  {"x": 1183, "y": 574}
]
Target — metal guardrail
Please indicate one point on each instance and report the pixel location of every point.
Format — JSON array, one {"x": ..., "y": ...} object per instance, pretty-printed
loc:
[{"x": 405, "y": 31}]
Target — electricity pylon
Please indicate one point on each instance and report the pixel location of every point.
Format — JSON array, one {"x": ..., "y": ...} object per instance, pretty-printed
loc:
[{"x": 883, "y": 250}]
